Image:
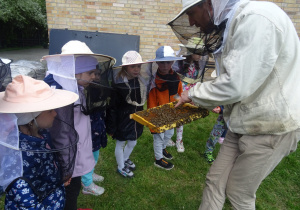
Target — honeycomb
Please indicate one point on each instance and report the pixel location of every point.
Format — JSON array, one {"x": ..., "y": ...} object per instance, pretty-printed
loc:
[{"x": 165, "y": 117}]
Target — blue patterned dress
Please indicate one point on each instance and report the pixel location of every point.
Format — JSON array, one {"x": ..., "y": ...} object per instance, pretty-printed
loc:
[
  {"x": 41, "y": 186},
  {"x": 219, "y": 130},
  {"x": 99, "y": 137}
]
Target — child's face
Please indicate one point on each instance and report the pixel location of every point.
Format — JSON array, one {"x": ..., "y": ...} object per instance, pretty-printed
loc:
[
  {"x": 133, "y": 71},
  {"x": 195, "y": 57},
  {"x": 85, "y": 78},
  {"x": 164, "y": 66},
  {"x": 46, "y": 118}
]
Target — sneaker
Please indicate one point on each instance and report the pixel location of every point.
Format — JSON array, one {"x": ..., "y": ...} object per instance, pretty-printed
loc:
[
  {"x": 209, "y": 157},
  {"x": 162, "y": 163},
  {"x": 126, "y": 172},
  {"x": 180, "y": 147},
  {"x": 170, "y": 143},
  {"x": 97, "y": 178},
  {"x": 167, "y": 155},
  {"x": 93, "y": 189},
  {"x": 130, "y": 164}
]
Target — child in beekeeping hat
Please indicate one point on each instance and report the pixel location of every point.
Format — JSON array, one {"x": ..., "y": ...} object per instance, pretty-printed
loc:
[
  {"x": 129, "y": 96},
  {"x": 74, "y": 69},
  {"x": 163, "y": 90}
]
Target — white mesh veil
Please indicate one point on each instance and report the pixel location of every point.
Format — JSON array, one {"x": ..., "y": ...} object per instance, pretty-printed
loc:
[
  {"x": 222, "y": 9},
  {"x": 63, "y": 70},
  {"x": 10, "y": 155}
]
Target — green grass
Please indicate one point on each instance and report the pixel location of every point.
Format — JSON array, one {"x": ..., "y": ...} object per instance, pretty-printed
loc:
[{"x": 181, "y": 188}]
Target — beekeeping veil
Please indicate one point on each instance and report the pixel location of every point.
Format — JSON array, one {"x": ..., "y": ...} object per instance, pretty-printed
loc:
[
  {"x": 135, "y": 82},
  {"x": 162, "y": 82},
  {"x": 23, "y": 100},
  {"x": 196, "y": 40},
  {"x": 5, "y": 73},
  {"x": 182, "y": 66},
  {"x": 76, "y": 58}
]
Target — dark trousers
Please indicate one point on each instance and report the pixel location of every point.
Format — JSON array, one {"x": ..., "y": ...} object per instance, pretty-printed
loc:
[{"x": 72, "y": 193}]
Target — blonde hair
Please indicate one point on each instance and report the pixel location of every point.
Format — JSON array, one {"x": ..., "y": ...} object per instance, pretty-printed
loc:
[{"x": 122, "y": 73}]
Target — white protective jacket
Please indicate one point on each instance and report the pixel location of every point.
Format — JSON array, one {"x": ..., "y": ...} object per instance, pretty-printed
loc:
[{"x": 259, "y": 81}]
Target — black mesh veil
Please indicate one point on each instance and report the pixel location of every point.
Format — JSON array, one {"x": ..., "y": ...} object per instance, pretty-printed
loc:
[
  {"x": 5, "y": 73},
  {"x": 200, "y": 65},
  {"x": 196, "y": 41},
  {"x": 99, "y": 91},
  {"x": 163, "y": 82},
  {"x": 64, "y": 139}
]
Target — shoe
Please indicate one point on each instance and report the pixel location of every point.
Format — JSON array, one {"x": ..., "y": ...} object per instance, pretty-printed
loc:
[
  {"x": 93, "y": 189},
  {"x": 209, "y": 157},
  {"x": 180, "y": 147},
  {"x": 162, "y": 163},
  {"x": 170, "y": 143},
  {"x": 167, "y": 155},
  {"x": 130, "y": 164},
  {"x": 126, "y": 172},
  {"x": 220, "y": 140},
  {"x": 97, "y": 178}
]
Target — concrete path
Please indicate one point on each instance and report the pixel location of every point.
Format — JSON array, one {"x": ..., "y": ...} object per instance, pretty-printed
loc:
[{"x": 32, "y": 54}]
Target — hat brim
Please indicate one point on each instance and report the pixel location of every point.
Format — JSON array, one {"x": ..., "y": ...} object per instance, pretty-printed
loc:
[
  {"x": 166, "y": 59},
  {"x": 184, "y": 10},
  {"x": 60, "y": 98},
  {"x": 132, "y": 64},
  {"x": 99, "y": 57}
]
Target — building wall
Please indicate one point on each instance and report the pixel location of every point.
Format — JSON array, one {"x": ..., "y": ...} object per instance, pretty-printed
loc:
[{"x": 146, "y": 18}]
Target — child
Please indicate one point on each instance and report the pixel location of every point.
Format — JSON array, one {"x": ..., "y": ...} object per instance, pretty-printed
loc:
[
  {"x": 77, "y": 65},
  {"x": 217, "y": 134},
  {"x": 97, "y": 94},
  {"x": 30, "y": 168},
  {"x": 96, "y": 98},
  {"x": 190, "y": 71},
  {"x": 166, "y": 85},
  {"x": 128, "y": 97}
]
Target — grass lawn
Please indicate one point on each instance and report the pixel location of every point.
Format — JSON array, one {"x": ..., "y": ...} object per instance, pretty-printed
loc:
[{"x": 181, "y": 188}]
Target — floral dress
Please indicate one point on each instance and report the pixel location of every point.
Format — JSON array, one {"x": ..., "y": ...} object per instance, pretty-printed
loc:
[
  {"x": 41, "y": 186},
  {"x": 191, "y": 73}
]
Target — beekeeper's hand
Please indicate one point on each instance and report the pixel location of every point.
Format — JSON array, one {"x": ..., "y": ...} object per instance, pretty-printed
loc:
[{"x": 184, "y": 98}]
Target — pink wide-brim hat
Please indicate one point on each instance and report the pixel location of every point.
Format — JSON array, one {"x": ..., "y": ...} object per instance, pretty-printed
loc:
[{"x": 25, "y": 94}]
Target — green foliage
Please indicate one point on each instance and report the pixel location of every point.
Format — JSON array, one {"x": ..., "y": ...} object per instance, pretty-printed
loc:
[
  {"x": 23, "y": 13},
  {"x": 23, "y": 23}
]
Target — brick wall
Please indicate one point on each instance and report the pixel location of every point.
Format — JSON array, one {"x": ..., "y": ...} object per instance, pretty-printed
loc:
[{"x": 146, "y": 18}]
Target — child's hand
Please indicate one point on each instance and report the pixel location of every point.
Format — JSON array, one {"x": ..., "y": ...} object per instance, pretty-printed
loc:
[
  {"x": 217, "y": 110},
  {"x": 67, "y": 182}
]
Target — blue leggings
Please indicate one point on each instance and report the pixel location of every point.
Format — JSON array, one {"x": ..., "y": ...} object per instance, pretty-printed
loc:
[{"x": 87, "y": 179}]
